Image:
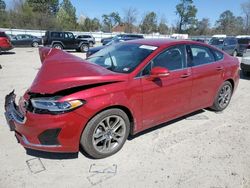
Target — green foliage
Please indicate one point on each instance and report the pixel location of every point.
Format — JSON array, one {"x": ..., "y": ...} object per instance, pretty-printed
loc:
[
  {"x": 149, "y": 23},
  {"x": 110, "y": 20},
  {"x": 66, "y": 16},
  {"x": 88, "y": 24},
  {"x": 2, "y": 5},
  {"x": 44, "y": 6},
  {"x": 203, "y": 27},
  {"x": 187, "y": 14},
  {"x": 229, "y": 24},
  {"x": 163, "y": 28}
]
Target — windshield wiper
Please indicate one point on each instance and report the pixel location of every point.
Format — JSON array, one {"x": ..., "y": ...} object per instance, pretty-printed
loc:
[
  {"x": 112, "y": 67},
  {"x": 94, "y": 57}
]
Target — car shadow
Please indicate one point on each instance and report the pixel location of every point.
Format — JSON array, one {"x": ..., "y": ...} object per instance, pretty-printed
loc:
[
  {"x": 131, "y": 137},
  {"x": 8, "y": 53},
  {"x": 52, "y": 155},
  {"x": 244, "y": 77}
]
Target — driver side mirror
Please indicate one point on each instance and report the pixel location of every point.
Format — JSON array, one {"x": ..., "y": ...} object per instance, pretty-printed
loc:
[{"x": 158, "y": 72}]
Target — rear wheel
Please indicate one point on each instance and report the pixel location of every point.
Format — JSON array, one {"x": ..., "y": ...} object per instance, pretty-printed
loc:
[
  {"x": 58, "y": 46},
  {"x": 35, "y": 44},
  {"x": 106, "y": 133},
  {"x": 0, "y": 51},
  {"x": 84, "y": 48},
  {"x": 223, "y": 97}
]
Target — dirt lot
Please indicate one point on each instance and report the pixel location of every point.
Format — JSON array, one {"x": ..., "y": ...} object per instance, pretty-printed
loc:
[{"x": 205, "y": 149}]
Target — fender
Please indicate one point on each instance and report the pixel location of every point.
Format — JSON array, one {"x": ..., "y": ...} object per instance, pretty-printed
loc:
[{"x": 56, "y": 42}]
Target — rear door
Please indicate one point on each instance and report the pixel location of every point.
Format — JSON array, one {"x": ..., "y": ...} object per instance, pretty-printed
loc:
[
  {"x": 207, "y": 75},
  {"x": 69, "y": 41}
]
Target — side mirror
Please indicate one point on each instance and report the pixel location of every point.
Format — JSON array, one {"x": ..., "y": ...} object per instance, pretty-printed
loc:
[{"x": 158, "y": 72}]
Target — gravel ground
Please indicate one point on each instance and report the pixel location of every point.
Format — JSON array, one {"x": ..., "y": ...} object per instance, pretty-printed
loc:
[{"x": 205, "y": 149}]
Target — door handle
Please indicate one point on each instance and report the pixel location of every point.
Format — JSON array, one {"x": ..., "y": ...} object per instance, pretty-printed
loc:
[
  {"x": 219, "y": 68},
  {"x": 185, "y": 75}
]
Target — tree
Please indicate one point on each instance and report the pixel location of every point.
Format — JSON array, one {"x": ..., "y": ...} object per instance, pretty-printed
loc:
[
  {"x": 246, "y": 10},
  {"x": 229, "y": 24},
  {"x": 163, "y": 28},
  {"x": 187, "y": 14},
  {"x": 110, "y": 20},
  {"x": 66, "y": 16},
  {"x": 2, "y": 5},
  {"x": 203, "y": 27},
  {"x": 149, "y": 23},
  {"x": 44, "y": 6},
  {"x": 130, "y": 16}
]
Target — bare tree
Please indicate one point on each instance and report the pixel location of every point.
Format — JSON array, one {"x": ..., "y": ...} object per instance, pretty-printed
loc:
[
  {"x": 246, "y": 10},
  {"x": 130, "y": 17}
]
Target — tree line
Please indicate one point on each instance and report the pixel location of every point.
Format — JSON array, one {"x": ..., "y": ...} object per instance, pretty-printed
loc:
[{"x": 52, "y": 15}]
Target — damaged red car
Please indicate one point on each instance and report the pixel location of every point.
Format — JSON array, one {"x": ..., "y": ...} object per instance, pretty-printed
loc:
[{"x": 119, "y": 91}]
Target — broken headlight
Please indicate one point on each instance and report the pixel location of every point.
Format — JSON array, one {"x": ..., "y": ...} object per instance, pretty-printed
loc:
[{"x": 51, "y": 105}]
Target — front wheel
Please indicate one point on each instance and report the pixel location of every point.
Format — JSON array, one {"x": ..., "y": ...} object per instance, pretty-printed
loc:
[
  {"x": 106, "y": 133},
  {"x": 223, "y": 97}
]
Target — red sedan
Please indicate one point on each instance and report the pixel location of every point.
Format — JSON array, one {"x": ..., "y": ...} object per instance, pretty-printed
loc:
[{"x": 121, "y": 90}]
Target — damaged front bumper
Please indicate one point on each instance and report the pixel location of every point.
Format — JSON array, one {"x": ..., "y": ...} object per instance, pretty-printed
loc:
[{"x": 43, "y": 132}]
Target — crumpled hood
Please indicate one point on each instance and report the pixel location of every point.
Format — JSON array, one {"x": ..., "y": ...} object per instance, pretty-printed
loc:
[{"x": 61, "y": 70}]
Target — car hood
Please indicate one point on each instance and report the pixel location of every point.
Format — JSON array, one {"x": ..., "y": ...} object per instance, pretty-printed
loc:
[
  {"x": 95, "y": 49},
  {"x": 61, "y": 70}
]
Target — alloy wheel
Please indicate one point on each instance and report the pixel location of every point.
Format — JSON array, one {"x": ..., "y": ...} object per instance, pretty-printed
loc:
[
  {"x": 109, "y": 134},
  {"x": 224, "y": 96}
]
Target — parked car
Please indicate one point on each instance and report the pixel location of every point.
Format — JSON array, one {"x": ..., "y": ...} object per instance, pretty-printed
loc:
[
  {"x": 65, "y": 40},
  {"x": 116, "y": 39},
  {"x": 245, "y": 63},
  {"x": 228, "y": 44},
  {"x": 5, "y": 43},
  {"x": 244, "y": 43},
  {"x": 105, "y": 41},
  {"x": 97, "y": 103},
  {"x": 89, "y": 38},
  {"x": 26, "y": 40}
]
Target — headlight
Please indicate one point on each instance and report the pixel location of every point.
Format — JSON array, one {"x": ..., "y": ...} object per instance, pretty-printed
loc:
[{"x": 52, "y": 105}]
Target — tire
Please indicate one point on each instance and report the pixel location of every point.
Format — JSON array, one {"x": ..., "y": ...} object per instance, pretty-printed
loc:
[
  {"x": 35, "y": 44},
  {"x": 0, "y": 51},
  {"x": 84, "y": 48},
  {"x": 91, "y": 44},
  {"x": 57, "y": 46},
  {"x": 101, "y": 139},
  {"x": 235, "y": 53},
  {"x": 223, "y": 97}
]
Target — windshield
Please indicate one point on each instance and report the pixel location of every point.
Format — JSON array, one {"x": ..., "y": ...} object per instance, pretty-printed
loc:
[
  {"x": 122, "y": 57},
  {"x": 216, "y": 41}
]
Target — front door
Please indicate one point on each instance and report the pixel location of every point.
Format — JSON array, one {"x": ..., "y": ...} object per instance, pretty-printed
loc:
[{"x": 167, "y": 97}]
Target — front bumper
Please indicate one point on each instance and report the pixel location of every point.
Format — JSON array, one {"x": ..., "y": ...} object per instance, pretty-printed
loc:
[
  {"x": 7, "y": 48},
  {"x": 44, "y": 132}
]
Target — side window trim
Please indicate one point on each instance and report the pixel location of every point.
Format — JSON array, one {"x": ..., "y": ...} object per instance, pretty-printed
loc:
[
  {"x": 204, "y": 47},
  {"x": 185, "y": 65}
]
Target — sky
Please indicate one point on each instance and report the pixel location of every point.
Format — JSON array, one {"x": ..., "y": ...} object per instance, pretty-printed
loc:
[{"x": 206, "y": 8}]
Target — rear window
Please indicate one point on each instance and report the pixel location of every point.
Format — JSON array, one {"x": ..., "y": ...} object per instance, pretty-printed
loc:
[
  {"x": 218, "y": 55},
  {"x": 216, "y": 41},
  {"x": 2, "y": 34},
  {"x": 244, "y": 41},
  {"x": 57, "y": 35}
]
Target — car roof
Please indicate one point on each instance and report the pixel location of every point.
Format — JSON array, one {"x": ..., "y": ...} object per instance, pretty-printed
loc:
[{"x": 164, "y": 42}]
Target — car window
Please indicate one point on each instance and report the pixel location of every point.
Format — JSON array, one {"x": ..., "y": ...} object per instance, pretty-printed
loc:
[
  {"x": 2, "y": 34},
  {"x": 201, "y": 55},
  {"x": 172, "y": 59},
  {"x": 244, "y": 41},
  {"x": 122, "y": 57},
  {"x": 218, "y": 55},
  {"x": 216, "y": 41},
  {"x": 57, "y": 35},
  {"x": 68, "y": 35},
  {"x": 232, "y": 42}
]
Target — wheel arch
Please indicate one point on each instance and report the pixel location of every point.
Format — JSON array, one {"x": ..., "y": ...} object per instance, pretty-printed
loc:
[
  {"x": 57, "y": 42},
  {"x": 231, "y": 82},
  {"x": 121, "y": 107}
]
